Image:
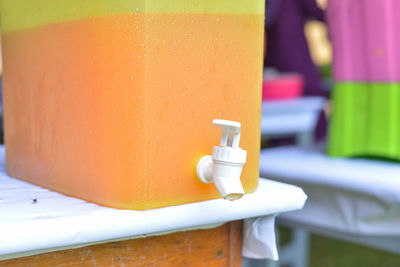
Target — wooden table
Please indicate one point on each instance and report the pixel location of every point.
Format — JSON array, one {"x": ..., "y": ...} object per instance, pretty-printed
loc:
[{"x": 219, "y": 246}]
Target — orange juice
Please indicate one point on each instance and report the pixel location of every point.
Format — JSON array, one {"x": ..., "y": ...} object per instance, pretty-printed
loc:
[{"x": 116, "y": 107}]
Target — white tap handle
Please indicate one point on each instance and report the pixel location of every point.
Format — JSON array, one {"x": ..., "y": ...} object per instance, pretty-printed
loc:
[{"x": 230, "y": 132}]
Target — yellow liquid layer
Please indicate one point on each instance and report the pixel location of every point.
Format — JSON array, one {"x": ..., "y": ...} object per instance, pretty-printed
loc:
[
  {"x": 23, "y": 14},
  {"x": 118, "y": 109}
]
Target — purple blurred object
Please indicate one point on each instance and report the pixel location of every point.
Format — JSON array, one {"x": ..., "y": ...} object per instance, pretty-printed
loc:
[{"x": 287, "y": 48}]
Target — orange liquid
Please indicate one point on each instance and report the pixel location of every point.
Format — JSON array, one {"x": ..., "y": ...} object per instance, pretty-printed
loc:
[{"x": 118, "y": 109}]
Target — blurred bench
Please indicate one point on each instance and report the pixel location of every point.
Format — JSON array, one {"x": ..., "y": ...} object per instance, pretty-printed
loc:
[{"x": 355, "y": 200}]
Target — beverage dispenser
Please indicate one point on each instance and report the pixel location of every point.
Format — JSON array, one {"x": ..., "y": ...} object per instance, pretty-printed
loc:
[{"x": 113, "y": 101}]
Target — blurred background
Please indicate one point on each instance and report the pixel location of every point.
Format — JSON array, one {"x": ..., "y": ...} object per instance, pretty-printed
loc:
[{"x": 298, "y": 65}]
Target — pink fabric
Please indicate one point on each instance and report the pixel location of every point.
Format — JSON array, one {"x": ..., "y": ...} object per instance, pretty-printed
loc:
[{"x": 364, "y": 35}]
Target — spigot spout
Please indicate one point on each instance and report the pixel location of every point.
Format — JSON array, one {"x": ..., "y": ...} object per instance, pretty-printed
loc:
[
  {"x": 227, "y": 180},
  {"x": 225, "y": 165}
]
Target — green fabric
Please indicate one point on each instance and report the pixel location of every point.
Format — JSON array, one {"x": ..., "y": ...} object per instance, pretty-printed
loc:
[{"x": 365, "y": 120}]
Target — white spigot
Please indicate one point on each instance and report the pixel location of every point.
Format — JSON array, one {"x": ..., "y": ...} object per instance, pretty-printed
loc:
[{"x": 225, "y": 165}]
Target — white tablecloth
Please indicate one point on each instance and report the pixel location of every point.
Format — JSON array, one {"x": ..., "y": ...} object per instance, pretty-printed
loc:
[
  {"x": 356, "y": 196},
  {"x": 284, "y": 117},
  {"x": 35, "y": 220}
]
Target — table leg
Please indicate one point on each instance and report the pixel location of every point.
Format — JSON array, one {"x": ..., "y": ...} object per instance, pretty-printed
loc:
[
  {"x": 296, "y": 253},
  {"x": 305, "y": 139},
  {"x": 301, "y": 241}
]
